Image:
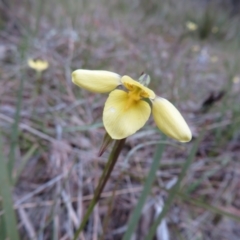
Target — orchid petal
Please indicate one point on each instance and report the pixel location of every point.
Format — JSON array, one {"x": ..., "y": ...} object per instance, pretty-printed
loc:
[
  {"x": 170, "y": 121},
  {"x": 96, "y": 81},
  {"x": 130, "y": 84},
  {"x": 121, "y": 119}
]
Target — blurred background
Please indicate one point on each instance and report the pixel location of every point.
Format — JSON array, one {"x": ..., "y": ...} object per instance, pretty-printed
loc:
[{"x": 51, "y": 130}]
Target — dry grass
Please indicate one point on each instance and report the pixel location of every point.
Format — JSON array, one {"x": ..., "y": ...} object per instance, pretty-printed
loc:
[{"x": 56, "y": 166}]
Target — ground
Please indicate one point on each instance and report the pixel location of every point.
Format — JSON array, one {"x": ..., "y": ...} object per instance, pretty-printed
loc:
[{"x": 52, "y": 130}]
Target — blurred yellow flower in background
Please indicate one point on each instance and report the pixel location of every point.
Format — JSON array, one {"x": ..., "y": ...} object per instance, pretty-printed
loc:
[
  {"x": 38, "y": 65},
  {"x": 214, "y": 59},
  {"x": 215, "y": 29},
  {"x": 127, "y": 110},
  {"x": 191, "y": 26},
  {"x": 195, "y": 48},
  {"x": 236, "y": 79}
]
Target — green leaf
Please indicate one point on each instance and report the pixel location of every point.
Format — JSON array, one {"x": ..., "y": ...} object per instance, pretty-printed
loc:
[{"x": 7, "y": 203}]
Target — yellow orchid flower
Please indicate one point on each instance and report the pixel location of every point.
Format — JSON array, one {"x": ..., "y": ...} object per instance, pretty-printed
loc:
[
  {"x": 38, "y": 65},
  {"x": 127, "y": 110}
]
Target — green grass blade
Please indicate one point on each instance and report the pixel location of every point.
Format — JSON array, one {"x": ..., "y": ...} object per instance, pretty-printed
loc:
[
  {"x": 7, "y": 203},
  {"x": 173, "y": 192},
  {"x": 208, "y": 207},
  {"x": 146, "y": 189},
  {"x": 24, "y": 161},
  {"x": 39, "y": 14},
  {"x": 2, "y": 227},
  {"x": 15, "y": 132}
]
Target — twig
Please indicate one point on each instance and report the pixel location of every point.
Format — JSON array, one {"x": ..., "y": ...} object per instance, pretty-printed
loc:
[
  {"x": 69, "y": 207},
  {"x": 75, "y": 199},
  {"x": 23, "y": 126},
  {"x": 27, "y": 223}
]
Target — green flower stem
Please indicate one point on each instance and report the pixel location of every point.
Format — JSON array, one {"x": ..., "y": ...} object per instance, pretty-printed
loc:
[
  {"x": 118, "y": 145},
  {"x": 38, "y": 83}
]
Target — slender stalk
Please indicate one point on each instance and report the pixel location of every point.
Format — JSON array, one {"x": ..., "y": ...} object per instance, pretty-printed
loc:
[
  {"x": 38, "y": 83},
  {"x": 118, "y": 145}
]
